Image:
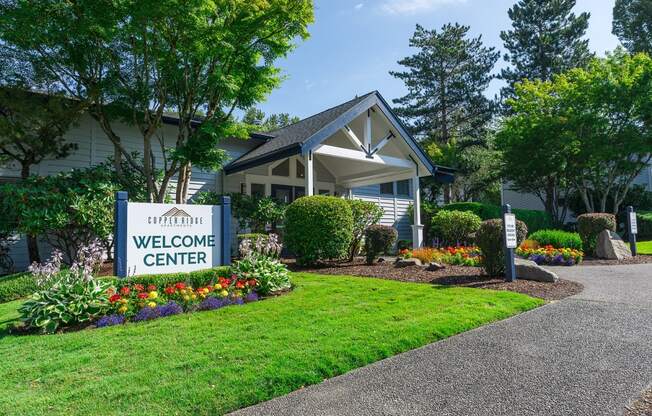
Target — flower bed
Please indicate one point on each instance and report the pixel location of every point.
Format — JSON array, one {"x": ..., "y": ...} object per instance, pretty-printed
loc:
[
  {"x": 457, "y": 256},
  {"x": 550, "y": 255}
]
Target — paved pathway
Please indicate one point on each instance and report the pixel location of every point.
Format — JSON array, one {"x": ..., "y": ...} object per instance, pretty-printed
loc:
[{"x": 586, "y": 355}]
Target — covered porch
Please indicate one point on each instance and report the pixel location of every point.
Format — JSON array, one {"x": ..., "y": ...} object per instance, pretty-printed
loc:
[{"x": 358, "y": 145}]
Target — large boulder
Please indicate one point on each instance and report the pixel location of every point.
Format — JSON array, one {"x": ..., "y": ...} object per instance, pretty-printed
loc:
[
  {"x": 529, "y": 270},
  {"x": 610, "y": 246},
  {"x": 408, "y": 262}
]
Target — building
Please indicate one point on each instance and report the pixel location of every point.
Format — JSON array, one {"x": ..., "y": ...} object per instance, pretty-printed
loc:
[{"x": 358, "y": 149}]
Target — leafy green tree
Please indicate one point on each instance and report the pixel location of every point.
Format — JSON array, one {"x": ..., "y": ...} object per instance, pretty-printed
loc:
[
  {"x": 591, "y": 129},
  {"x": 546, "y": 39},
  {"x": 365, "y": 214},
  {"x": 32, "y": 127},
  {"x": 260, "y": 122},
  {"x": 633, "y": 24},
  {"x": 132, "y": 61}
]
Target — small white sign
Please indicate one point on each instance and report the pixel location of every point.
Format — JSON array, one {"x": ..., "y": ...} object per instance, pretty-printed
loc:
[
  {"x": 171, "y": 238},
  {"x": 633, "y": 225},
  {"x": 510, "y": 231}
]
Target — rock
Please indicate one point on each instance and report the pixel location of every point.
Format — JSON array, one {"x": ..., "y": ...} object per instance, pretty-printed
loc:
[
  {"x": 610, "y": 246},
  {"x": 408, "y": 262},
  {"x": 380, "y": 260},
  {"x": 433, "y": 267},
  {"x": 529, "y": 270}
]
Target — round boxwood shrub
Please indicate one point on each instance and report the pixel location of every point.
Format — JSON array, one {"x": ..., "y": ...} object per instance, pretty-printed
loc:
[
  {"x": 590, "y": 226},
  {"x": 378, "y": 239},
  {"x": 557, "y": 239},
  {"x": 455, "y": 227},
  {"x": 490, "y": 240},
  {"x": 318, "y": 227}
]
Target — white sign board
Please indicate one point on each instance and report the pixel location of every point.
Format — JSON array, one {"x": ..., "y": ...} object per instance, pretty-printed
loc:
[
  {"x": 633, "y": 225},
  {"x": 171, "y": 238},
  {"x": 510, "y": 231}
]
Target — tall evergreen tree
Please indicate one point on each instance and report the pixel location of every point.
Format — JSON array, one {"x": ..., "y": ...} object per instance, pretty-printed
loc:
[
  {"x": 546, "y": 39},
  {"x": 446, "y": 80},
  {"x": 633, "y": 24}
]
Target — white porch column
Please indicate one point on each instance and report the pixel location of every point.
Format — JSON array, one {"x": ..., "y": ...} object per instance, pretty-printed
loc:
[
  {"x": 417, "y": 228},
  {"x": 310, "y": 175}
]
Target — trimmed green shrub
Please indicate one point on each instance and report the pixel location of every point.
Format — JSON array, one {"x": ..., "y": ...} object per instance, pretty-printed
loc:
[
  {"x": 195, "y": 279},
  {"x": 490, "y": 240},
  {"x": 484, "y": 211},
  {"x": 535, "y": 220},
  {"x": 590, "y": 226},
  {"x": 16, "y": 286},
  {"x": 378, "y": 239},
  {"x": 318, "y": 227},
  {"x": 557, "y": 239},
  {"x": 455, "y": 227},
  {"x": 365, "y": 213},
  {"x": 644, "y": 222}
]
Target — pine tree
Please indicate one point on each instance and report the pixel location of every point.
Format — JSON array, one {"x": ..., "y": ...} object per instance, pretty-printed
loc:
[
  {"x": 633, "y": 24},
  {"x": 446, "y": 80},
  {"x": 546, "y": 39}
]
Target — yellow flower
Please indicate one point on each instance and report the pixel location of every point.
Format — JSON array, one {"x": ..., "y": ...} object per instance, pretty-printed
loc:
[
  {"x": 151, "y": 304},
  {"x": 123, "y": 301},
  {"x": 186, "y": 298},
  {"x": 193, "y": 297},
  {"x": 153, "y": 295},
  {"x": 224, "y": 293},
  {"x": 122, "y": 309},
  {"x": 217, "y": 286}
]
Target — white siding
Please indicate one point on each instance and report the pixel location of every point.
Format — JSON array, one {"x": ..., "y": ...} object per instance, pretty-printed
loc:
[{"x": 396, "y": 209}]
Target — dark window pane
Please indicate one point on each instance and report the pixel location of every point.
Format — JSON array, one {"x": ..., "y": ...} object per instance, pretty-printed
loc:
[
  {"x": 403, "y": 187},
  {"x": 301, "y": 170},
  {"x": 324, "y": 192},
  {"x": 283, "y": 169},
  {"x": 387, "y": 188},
  {"x": 258, "y": 189}
]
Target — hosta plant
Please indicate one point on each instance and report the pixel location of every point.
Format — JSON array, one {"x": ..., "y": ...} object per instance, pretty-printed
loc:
[
  {"x": 68, "y": 302},
  {"x": 271, "y": 275}
]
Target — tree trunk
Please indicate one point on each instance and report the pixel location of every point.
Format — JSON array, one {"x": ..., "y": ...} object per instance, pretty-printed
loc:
[
  {"x": 447, "y": 193},
  {"x": 147, "y": 166},
  {"x": 183, "y": 182},
  {"x": 117, "y": 160}
]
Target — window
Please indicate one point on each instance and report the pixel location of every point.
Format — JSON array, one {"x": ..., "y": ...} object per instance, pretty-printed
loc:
[
  {"x": 243, "y": 188},
  {"x": 301, "y": 170},
  {"x": 387, "y": 188},
  {"x": 257, "y": 190},
  {"x": 403, "y": 187},
  {"x": 324, "y": 192},
  {"x": 282, "y": 169}
]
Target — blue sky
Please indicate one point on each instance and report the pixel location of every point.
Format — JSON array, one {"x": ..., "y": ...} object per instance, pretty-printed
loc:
[{"x": 355, "y": 43}]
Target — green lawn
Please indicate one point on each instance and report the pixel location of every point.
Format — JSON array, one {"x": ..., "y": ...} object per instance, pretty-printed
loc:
[
  {"x": 644, "y": 247},
  {"x": 210, "y": 363}
]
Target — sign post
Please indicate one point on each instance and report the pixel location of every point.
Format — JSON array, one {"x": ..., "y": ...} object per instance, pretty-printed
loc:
[
  {"x": 170, "y": 238},
  {"x": 510, "y": 242},
  {"x": 632, "y": 229}
]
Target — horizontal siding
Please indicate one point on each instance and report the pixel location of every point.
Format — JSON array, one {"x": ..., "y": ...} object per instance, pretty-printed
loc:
[{"x": 395, "y": 209}]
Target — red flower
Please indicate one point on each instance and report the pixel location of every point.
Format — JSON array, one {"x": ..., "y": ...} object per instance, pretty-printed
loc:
[
  {"x": 239, "y": 284},
  {"x": 233, "y": 277},
  {"x": 252, "y": 282},
  {"x": 151, "y": 288},
  {"x": 142, "y": 295},
  {"x": 139, "y": 287},
  {"x": 115, "y": 298},
  {"x": 170, "y": 290},
  {"x": 125, "y": 291},
  {"x": 180, "y": 286}
]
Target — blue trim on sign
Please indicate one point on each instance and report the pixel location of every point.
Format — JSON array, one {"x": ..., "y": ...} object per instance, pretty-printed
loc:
[
  {"x": 120, "y": 234},
  {"x": 226, "y": 230}
]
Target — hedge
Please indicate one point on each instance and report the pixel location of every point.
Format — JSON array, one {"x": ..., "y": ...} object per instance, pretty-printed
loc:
[
  {"x": 21, "y": 285},
  {"x": 535, "y": 220},
  {"x": 378, "y": 239},
  {"x": 644, "y": 222},
  {"x": 490, "y": 240},
  {"x": 455, "y": 227},
  {"x": 317, "y": 228},
  {"x": 557, "y": 239}
]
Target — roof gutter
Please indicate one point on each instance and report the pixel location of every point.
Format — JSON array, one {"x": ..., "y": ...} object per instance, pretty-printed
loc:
[{"x": 279, "y": 154}]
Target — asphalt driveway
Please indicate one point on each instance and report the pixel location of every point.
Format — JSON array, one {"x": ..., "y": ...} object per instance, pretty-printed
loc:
[{"x": 590, "y": 354}]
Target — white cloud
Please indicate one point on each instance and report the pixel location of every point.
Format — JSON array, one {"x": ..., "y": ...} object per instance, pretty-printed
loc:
[
  {"x": 358, "y": 6},
  {"x": 414, "y": 6}
]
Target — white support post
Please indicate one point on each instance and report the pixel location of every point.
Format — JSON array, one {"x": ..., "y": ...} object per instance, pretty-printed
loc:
[
  {"x": 417, "y": 228},
  {"x": 367, "y": 132},
  {"x": 309, "y": 174}
]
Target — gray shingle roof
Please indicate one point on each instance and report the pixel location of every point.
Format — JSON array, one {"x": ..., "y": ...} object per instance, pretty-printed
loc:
[{"x": 297, "y": 133}]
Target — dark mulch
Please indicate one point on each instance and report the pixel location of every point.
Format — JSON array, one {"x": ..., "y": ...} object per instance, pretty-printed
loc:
[
  {"x": 640, "y": 259},
  {"x": 641, "y": 407},
  {"x": 451, "y": 275}
]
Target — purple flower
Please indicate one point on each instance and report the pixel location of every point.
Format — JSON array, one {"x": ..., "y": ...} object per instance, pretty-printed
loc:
[
  {"x": 237, "y": 301},
  {"x": 169, "y": 309},
  {"x": 251, "y": 297},
  {"x": 146, "y": 314},
  {"x": 570, "y": 262},
  {"x": 211, "y": 303},
  {"x": 110, "y": 320}
]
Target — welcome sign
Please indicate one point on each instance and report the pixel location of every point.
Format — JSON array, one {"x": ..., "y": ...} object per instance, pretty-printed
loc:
[{"x": 170, "y": 238}]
